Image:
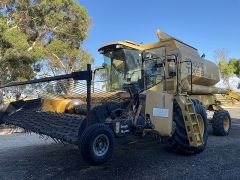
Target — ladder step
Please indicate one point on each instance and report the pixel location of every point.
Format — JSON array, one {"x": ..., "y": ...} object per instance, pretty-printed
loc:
[
  {"x": 190, "y": 108},
  {"x": 196, "y": 133},
  {"x": 191, "y": 123}
]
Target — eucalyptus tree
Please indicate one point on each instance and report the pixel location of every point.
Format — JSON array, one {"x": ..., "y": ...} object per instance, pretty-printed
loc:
[{"x": 34, "y": 31}]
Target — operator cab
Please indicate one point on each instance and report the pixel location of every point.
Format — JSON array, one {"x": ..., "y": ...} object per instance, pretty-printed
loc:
[
  {"x": 123, "y": 66},
  {"x": 131, "y": 65}
]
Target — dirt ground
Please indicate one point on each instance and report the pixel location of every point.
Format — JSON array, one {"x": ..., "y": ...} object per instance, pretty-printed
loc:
[{"x": 25, "y": 156}]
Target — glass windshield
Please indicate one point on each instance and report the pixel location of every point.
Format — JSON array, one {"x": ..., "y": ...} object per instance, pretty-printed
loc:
[
  {"x": 152, "y": 74},
  {"x": 124, "y": 67}
]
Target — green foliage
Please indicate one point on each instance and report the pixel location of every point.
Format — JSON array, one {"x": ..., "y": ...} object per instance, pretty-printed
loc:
[
  {"x": 53, "y": 30},
  {"x": 15, "y": 62},
  {"x": 236, "y": 64},
  {"x": 16, "y": 39},
  {"x": 64, "y": 25},
  {"x": 226, "y": 68},
  {"x": 221, "y": 56}
]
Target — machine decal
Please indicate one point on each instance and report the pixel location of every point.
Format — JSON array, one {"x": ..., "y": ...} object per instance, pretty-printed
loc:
[
  {"x": 160, "y": 112},
  {"x": 198, "y": 68}
]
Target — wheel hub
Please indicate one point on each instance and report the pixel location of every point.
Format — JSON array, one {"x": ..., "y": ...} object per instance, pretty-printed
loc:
[
  {"x": 226, "y": 124},
  {"x": 101, "y": 145}
]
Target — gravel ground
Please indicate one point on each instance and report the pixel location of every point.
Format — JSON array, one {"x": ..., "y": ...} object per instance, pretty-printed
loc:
[{"x": 24, "y": 156}]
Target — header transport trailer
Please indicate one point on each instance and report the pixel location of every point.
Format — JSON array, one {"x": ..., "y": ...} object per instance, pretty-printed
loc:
[{"x": 163, "y": 88}]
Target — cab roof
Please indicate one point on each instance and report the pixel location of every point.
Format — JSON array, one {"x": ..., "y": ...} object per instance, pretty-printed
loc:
[{"x": 141, "y": 47}]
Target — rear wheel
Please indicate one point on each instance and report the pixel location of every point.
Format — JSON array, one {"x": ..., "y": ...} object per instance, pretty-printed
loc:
[
  {"x": 97, "y": 144},
  {"x": 221, "y": 123},
  {"x": 179, "y": 141}
]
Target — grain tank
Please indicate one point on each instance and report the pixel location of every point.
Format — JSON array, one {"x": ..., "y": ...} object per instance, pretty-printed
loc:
[
  {"x": 202, "y": 73},
  {"x": 205, "y": 74}
]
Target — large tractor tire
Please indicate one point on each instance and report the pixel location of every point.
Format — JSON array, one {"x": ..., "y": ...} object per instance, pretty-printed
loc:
[
  {"x": 97, "y": 144},
  {"x": 179, "y": 140},
  {"x": 221, "y": 123}
]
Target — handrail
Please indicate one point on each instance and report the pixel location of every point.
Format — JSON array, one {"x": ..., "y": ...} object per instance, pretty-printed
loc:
[{"x": 79, "y": 75}]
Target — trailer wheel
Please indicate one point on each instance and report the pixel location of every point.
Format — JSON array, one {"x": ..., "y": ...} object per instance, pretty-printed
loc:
[
  {"x": 179, "y": 140},
  {"x": 97, "y": 144},
  {"x": 221, "y": 123}
]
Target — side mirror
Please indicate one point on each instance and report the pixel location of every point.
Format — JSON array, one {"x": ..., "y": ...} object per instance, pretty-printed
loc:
[{"x": 147, "y": 55}]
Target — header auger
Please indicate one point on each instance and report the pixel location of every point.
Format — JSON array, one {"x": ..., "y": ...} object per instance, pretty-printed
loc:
[{"x": 163, "y": 88}]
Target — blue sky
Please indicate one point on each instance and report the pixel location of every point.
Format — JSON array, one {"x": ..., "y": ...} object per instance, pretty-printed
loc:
[{"x": 207, "y": 25}]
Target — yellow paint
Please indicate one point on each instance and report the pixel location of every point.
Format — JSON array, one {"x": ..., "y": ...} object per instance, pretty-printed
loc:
[
  {"x": 234, "y": 95},
  {"x": 55, "y": 105},
  {"x": 156, "y": 99}
]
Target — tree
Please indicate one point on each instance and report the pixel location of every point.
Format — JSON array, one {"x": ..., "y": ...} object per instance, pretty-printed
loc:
[
  {"x": 63, "y": 25},
  {"x": 15, "y": 60},
  {"x": 236, "y": 63},
  {"x": 43, "y": 30},
  {"x": 226, "y": 69}
]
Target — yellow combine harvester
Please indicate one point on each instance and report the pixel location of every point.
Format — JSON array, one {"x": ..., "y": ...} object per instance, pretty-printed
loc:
[{"x": 163, "y": 88}]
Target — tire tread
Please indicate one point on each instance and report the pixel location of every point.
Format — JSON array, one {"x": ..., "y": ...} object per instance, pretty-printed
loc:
[{"x": 217, "y": 125}]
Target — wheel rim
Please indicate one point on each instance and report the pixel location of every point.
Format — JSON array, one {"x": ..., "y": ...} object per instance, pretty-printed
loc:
[
  {"x": 226, "y": 124},
  {"x": 201, "y": 124},
  {"x": 101, "y": 145}
]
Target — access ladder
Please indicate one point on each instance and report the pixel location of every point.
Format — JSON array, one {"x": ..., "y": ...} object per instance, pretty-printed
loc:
[{"x": 191, "y": 120}]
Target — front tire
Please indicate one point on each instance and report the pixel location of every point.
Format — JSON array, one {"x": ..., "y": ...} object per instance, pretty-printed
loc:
[
  {"x": 97, "y": 144},
  {"x": 179, "y": 141},
  {"x": 221, "y": 123}
]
